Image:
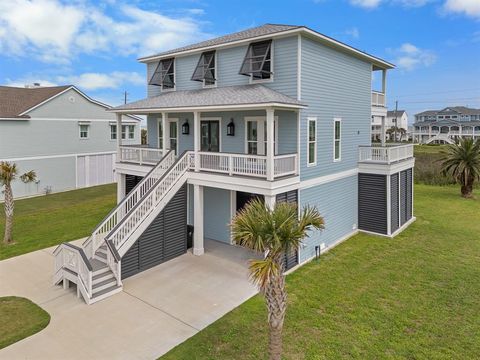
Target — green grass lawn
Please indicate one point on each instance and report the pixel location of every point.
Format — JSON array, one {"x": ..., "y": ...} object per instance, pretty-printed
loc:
[
  {"x": 416, "y": 296},
  {"x": 428, "y": 149},
  {"x": 49, "y": 220},
  {"x": 20, "y": 318}
]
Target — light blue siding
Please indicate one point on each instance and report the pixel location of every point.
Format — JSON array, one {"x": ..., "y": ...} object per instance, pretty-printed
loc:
[
  {"x": 152, "y": 130},
  {"x": 334, "y": 84},
  {"x": 337, "y": 202},
  {"x": 287, "y": 132},
  {"x": 228, "y": 64},
  {"x": 216, "y": 214}
]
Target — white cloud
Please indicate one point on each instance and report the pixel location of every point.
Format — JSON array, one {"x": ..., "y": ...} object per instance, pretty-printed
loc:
[
  {"x": 353, "y": 32},
  {"x": 410, "y": 57},
  {"x": 86, "y": 81},
  {"x": 467, "y": 7},
  {"x": 368, "y": 4},
  {"x": 54, "y": 32}
]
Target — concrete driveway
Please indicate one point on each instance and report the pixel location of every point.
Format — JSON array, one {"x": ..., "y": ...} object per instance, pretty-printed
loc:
[{"x": 158, "y": 309}]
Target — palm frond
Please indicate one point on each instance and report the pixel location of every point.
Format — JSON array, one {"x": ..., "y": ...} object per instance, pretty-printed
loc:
[
  {"x": 29, "y": 176},
  {"x": 261, "y": 271},
  {"x": 8, "y": 172}
]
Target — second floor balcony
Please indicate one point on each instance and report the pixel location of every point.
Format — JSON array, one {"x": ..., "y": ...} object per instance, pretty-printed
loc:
[{"x": 388, "y": 154}]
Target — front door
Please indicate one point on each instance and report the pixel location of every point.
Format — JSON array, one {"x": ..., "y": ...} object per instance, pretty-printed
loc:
[{"x": 210, "y": 135}]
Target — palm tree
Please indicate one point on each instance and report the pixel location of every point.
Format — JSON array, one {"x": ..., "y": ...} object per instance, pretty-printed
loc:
[
  {"x": 8, "y": 173},
  {"x": 462, "y": 161},
  {"x": 273, "y": 233}
]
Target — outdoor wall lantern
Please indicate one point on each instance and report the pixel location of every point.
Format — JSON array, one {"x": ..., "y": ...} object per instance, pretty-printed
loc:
[
  {"x": 185, "y": 128},
  {"x": 231, "y": 128}
]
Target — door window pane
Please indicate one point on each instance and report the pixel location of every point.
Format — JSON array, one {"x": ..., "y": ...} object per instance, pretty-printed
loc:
[
  {"x": 252, "y": 137},
  {"x": 160, "y": 134}
]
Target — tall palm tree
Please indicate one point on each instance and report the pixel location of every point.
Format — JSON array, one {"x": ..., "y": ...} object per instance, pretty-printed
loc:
[
  {"x": 462, "y": 161},
  {"x": 273, "y": 233},
  {"x": 8, "y": 174}
]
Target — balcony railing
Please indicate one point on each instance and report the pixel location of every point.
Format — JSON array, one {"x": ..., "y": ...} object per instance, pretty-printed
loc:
[
  {"x": 378, "y": 98},
  {"x": 246, "y": 165},
  {"x": 140, "y": 155},
  {"x": 216, "y": 162},
  {"x": 385, "y": 154}
]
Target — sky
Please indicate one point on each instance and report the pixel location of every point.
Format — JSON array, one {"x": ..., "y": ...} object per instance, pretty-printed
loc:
[{"x": 94, "y": 45}]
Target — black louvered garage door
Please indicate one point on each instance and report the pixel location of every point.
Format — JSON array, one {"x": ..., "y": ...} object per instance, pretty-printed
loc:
[
  {"x": 291, "y": 258},
  {"x": 394, "y": 201},
  {"x": 163, "y": 240}
]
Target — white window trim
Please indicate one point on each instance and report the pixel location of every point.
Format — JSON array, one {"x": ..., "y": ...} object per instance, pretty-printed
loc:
[
  {"x": 80, "y": 131},
  {"x": 214, "y": 118},
  {"x": 264, "y": 120},
  {"x": 174, "y": 78},
  {"x": 172, "y": 120},
  {"x": 339, "y": 120},
  {"x": 116, "y": 132},
  {"x": 259, "y": 81},
  {"x": 216, "y": 79},
  {"x": 312, "y": 118}
]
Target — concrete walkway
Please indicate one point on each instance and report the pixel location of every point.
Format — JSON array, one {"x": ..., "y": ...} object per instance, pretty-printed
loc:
[{"x": 158, "y": 309}]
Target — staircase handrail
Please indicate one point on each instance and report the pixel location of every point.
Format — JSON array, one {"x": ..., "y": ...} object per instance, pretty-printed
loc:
[
  {"x": 95, "y": 240},
  {"x": 129, "y": 223}
]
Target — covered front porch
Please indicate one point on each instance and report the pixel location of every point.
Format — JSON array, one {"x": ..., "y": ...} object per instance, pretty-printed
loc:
[{"x": 251, "y": 132}]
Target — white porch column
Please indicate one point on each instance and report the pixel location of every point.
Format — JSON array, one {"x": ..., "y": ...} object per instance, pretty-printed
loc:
[
  {"x": 121, "y": 186},
  {"x": 270, "y": 201},
  {"x": 383, "y": 134},
  {"x": 119, "y": 136},
  {"x": 164, "y": 133},
  {"x": 198, "y": 220},
  {"x": 270, "y": 143},
  {"x": 196, "y": 138}
]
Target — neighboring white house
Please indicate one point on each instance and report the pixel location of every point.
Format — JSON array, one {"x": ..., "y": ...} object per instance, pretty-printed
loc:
[
  {"x": 68, "y": 138},
  {"x": 397, "y": 118}
]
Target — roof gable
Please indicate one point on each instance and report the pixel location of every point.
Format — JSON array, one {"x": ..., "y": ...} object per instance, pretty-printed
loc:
[{"x": 15, "y": 101}]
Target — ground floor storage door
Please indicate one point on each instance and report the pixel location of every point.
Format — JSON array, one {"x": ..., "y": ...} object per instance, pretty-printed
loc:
[
  {"x": 96, "y": 169},
  {"x": 164, "y": 239}
]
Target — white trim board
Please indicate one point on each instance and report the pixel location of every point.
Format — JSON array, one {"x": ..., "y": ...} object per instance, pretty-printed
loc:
[
  {"x": 58, "y": 156},
  {"x": 305, "y": 184}
]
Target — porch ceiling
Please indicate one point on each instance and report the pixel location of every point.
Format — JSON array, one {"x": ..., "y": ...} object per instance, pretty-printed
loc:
[{"x": 222, "y": 98}]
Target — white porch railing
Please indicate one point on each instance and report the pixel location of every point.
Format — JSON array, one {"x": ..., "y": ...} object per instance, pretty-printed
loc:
[
  {"x": 378, "y": 98},
  {"x": 385, "y": 154},
  {"x": 141, "y": 155},
  {"x": 72, "y": 258},
  {"x": 246, "y": 165},
  {"x": 128, "y": 202}
]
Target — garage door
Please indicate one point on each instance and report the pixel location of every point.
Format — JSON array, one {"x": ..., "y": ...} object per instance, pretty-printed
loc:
[
  {"x": 163, "y": 240},
  {"x": 95, "y": 169}
]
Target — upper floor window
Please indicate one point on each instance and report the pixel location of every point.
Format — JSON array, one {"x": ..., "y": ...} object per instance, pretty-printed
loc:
[
  {"x": 205, "y": 70},
  {"x": 128, "y": 132},
  {"x": 312, "y": 142},
  {"x": 164, "y": 74},
  {"x": 84, "y": 131},
  {"x": 258, "y": 61},
  {"x": 113, "y": 132},
  {"x": 337, "y": 138}
]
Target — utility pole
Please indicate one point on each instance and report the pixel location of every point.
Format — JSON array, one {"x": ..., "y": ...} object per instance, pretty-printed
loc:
[
  {"x": 395, "y": 121},
  {"x": 125, "y": 97}
]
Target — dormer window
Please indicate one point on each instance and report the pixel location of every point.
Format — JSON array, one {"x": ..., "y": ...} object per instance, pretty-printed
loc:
[
  {"x": 258, "y": 61},
  {"x": 164, "y": 74},
  {"x": 205, "y": 70}
]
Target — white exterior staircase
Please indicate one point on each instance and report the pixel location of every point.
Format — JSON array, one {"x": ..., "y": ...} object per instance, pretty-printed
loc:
[
  {"x": 441, "y": 137},
  {"x": 96, "y": 266}
]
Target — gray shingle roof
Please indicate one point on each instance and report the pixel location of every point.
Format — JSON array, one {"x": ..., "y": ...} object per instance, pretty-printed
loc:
[
  {"x": 266, "y": 29},
  {"x": 451, "y": 109},
  {"x": 224, "y": 96},
  {"x": 391, "y": 113},
  {"x": 16, "y": 100}
]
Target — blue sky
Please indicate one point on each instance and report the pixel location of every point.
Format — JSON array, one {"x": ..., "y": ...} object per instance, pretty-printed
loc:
[{"x": 95, "y": 44}]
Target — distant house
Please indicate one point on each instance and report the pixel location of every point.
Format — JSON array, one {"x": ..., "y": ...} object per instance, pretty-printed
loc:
[
  {"x": 446, "y": 125},
  {"x": 68, "y": 138},
  {"x": 397, "y": 118}
]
